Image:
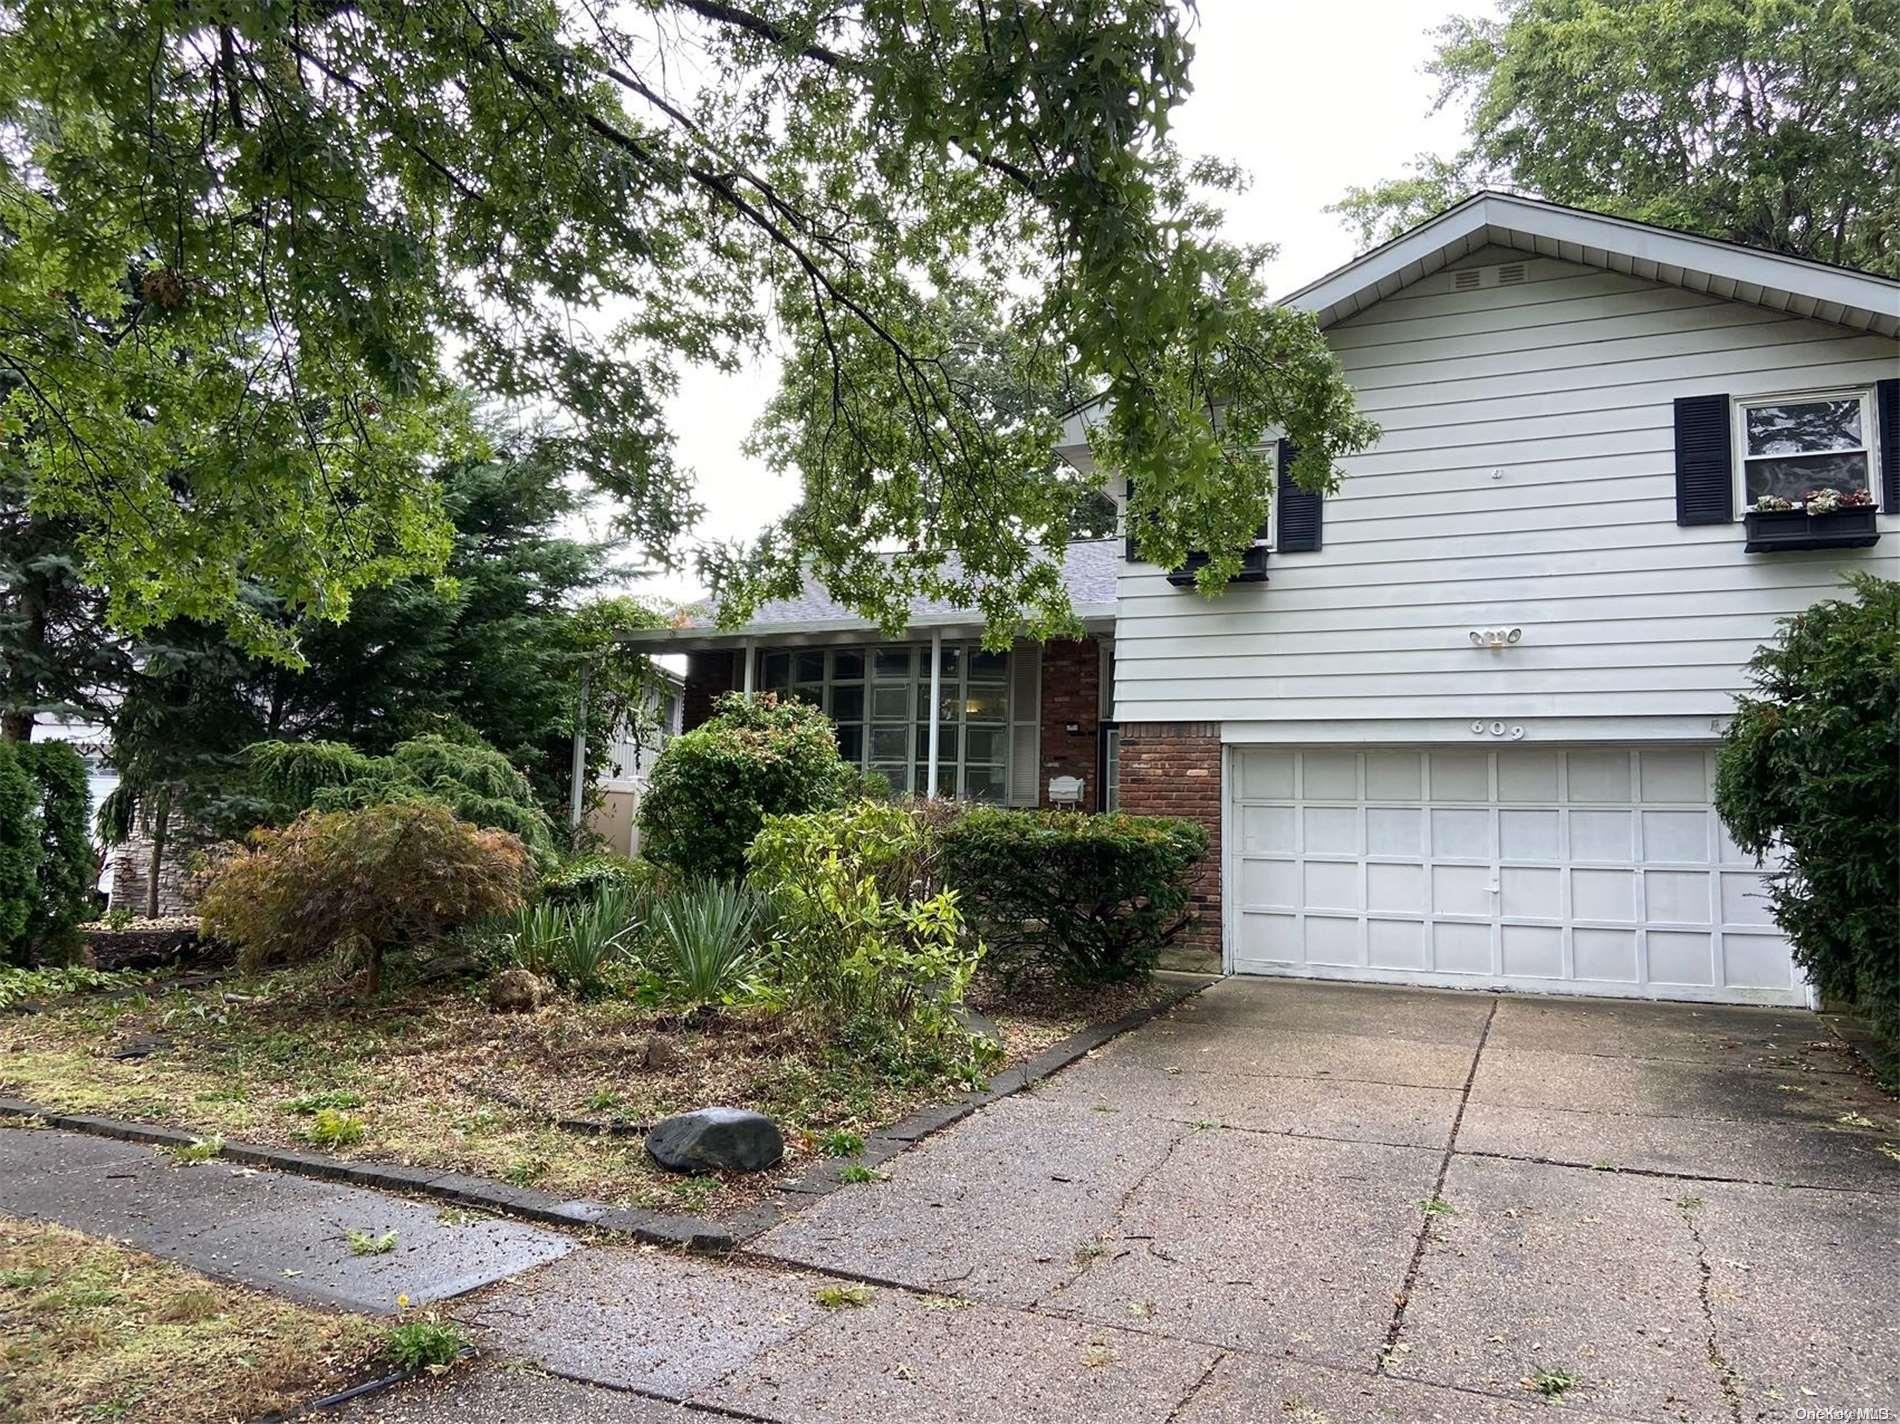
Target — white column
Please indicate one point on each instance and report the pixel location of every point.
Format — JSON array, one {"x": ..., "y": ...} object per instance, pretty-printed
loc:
[
  {"x": 748, "y": 665},
  {"x": 936, "y": 711},
  {"x": 578, "y": 776}
]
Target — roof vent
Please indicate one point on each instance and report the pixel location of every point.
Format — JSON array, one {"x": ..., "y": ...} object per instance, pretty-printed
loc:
[
  {"x": 1510, "y": 274},
  {"x": 1467, "y": 280},
  {"x": 1470, "y": 279}
]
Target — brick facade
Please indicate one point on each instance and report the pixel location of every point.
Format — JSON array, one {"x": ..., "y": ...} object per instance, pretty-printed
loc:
[
  {"x": 1173, "y": 769},
  {"x": 708, "y": 675},
  {"x": 1072, "y": 697}
]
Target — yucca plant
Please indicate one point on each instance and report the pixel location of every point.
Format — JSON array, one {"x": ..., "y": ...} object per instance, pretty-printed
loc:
[
  {"x": 597, "y": 936},
  {"x": 704, "y": 948},
  {"x": 534, "y": 939}
]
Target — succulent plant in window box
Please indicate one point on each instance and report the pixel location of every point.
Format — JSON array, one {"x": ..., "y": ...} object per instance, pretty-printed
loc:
[{"x": 1822, "y": 519}]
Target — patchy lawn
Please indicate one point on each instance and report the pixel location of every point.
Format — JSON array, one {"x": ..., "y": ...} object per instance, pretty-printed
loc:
[
  {"x": 90, "y": 1329},
  {"x": 430, "y": 1076}
]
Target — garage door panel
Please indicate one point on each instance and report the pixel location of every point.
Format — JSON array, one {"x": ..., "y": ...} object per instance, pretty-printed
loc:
[
  {"x": 1593, "y": 869},
  {"x": 1530, "y": 835},
  {"x": 1532, "y": 951},
  {"x": 1676, "y": 835},
  {"x": 1396, "y": 944},
  {"x": 1527, "y": 776},
  {"x": 1331, "y": 830},
  {"x": 1681, "y": 957},
  {"x": 1460, "y": 834}
]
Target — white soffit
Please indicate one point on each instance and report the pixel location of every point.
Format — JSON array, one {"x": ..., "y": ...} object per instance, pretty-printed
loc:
[{"x": 1859, "y": 300}]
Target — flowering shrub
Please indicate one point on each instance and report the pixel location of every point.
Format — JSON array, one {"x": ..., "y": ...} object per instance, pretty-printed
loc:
[{"x": 1773, "y": 504}]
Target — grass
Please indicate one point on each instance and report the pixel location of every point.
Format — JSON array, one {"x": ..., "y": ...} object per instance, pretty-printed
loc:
[
  {"x": 370, "y": 1243},
  {"x": 292, "y": 1060},
  {"x": 91, "y": 1330},
  {"x": 1552, "y": 1384},
  {"x": 425, "y": 1343},
  {"x": 842, "y": 1297}
]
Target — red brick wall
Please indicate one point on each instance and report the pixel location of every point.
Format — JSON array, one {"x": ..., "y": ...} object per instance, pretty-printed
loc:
[
  {"x": 1071, "y": 697},
  {"x": 708, "y": 674},
  {"x": 1173, "y": 769}
]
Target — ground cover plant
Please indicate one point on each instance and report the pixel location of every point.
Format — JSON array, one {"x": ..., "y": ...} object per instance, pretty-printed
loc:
[{"x": 90, "y": 1329}]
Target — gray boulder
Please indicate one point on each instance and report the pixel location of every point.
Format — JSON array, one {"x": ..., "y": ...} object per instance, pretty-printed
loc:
[{"x": 716, "y": 1140}]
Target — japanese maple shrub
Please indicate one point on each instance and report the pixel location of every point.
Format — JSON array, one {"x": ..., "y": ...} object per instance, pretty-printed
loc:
[
  {"x": 360, "y": 883},
  {"x": 1093, "y": 898},
  {"x": 1810, "y": 769},
  {"x": 713, "y": 787}
]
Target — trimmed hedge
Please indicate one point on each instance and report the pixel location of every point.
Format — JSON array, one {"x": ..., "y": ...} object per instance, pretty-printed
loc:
[
  {"x": 1094, "y": 897},
  {"x": 713, "y": 787}
]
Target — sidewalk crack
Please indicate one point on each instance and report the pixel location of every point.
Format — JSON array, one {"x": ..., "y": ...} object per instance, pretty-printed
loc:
[
  {"x": 1724, "y": 1372},
  {"x": 1438, "y": 1188}
]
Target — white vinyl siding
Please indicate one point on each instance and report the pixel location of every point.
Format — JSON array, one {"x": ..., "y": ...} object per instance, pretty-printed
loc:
[{"x": 1525, "y": 479}]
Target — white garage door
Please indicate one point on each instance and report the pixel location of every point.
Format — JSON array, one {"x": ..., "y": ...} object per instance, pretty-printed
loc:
[{"x": 1600, "y": 870}]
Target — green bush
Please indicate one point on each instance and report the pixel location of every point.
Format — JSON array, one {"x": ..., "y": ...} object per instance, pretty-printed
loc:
[
  {"x": 472, "y": 780},
  {"x": 586, "y": 877},
  {"x": 358, "y": 883},
  {"x": 864, "y": 937},
  {"x": 1808, "y": 767},
  {"x": 20, "y": 849},
  {"x": 63, "y": 894},
  {"x": 1093, "y": 897},
  {"x": 713, "y": 787}
]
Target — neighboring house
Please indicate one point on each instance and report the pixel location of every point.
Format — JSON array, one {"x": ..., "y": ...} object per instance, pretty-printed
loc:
[
  {"x": 93, "y": 742},
  {"x": 1462, "y": 732},
  {"x": 630, "y": 761}
]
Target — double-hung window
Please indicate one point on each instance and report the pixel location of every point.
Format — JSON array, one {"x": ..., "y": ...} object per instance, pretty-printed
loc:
[{"x": 1791, "y": 446}]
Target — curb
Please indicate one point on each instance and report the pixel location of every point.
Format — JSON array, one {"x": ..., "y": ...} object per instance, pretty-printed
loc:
[{"x": 656, "y": 1228}]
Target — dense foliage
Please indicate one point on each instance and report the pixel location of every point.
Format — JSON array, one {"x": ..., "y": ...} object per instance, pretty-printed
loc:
[
  {"x": 358, "y": 883},
  {"x": 586, "y": 877},
  {"x": 865, "y": 938},
  {"x": 247, "y": 242},
  {"x": 472, "y": 781},
  {"x": 19, "y": 845},
  {"x": 712, "y": 788},
  {"x": 1770, "y": 122},
  {"x": 1093, "y": 897},
  {"x": 1809, "y": 777},
  {"x": 67, "y": 866}
]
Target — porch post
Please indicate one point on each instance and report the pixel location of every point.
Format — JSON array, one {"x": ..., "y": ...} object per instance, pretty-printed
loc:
[
  {"x": 936, "y": 712},
  {"x": 578, "y": 776},
  {"x": 748, "y": 666}
]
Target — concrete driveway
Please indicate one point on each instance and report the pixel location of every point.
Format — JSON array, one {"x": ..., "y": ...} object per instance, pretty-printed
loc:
[{"x": 1302, "y": 1202}]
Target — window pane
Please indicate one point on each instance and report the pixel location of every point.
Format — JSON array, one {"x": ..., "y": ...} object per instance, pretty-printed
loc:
[
  {"x": 988, "y": 667},
  {"x": 985, "y": 704},
  {"x": 890, "y": 703},
  {"x": 890, "y": 744},
  {"x": 851, "y": 742},
  {"x": 1792, "y": 478},
  {"x": 777, "y": 670},
  {"x": 1800, "y": 427},
  {"x": 847, "y": 664},
  {"x": 983, "y": 783},
  {"x": 950, "y": 706},
  {"x": 847, "y": 704},
  {"x": 813, "y": 693},
  {"x": 811, "y": 667},
  {"x": 898, "y": 775},
  {"x": 946, "y": 742},
  {"x": 986, "y": 745},
  {"x": 892, "y": 662}
]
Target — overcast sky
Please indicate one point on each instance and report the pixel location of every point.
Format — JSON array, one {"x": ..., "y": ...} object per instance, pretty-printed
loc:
[{"x": 1309, "y": 96}]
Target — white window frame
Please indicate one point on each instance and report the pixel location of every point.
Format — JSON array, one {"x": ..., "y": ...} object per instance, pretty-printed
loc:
[
  {"x": 1739, "y": 406},
  {"x": 1272, "y": 448}
]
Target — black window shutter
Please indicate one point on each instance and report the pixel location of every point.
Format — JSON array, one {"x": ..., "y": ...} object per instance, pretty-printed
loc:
[
  {"x": 1887, "y": 417},
  {"x": 1128, "y": 524},
  {"x": 1301, "y": 513},
  {"x": 1705, "y": 475}
]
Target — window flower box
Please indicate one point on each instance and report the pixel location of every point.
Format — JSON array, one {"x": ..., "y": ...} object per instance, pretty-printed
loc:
[
  {"x": 1253, "y": 568},
  {"x": 1845, "y": 527}
]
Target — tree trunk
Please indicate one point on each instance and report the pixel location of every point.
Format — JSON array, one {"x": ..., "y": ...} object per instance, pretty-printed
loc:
[
  {"x": 16, "y": 722},
  {"x": 161, "y": 816}
]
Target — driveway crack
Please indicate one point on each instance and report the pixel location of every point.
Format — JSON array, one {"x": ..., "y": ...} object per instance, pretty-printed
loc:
[
  {"x": 1724, "y": 1372},
  {"x": 1438, "y": 1189}
]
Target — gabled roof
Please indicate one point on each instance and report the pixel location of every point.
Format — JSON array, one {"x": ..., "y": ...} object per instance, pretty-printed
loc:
[
  {"x": 1842, "y": 295},
  {"x": 1089, "y": 571}
]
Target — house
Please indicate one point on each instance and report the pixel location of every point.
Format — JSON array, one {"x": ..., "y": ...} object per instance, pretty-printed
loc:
[{"x": 1462, "y": 732}]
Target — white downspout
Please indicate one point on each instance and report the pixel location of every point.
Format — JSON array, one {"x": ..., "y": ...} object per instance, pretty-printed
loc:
[
  {"x": 936, "y": 709},
  {"x": 579, "y": 772}
]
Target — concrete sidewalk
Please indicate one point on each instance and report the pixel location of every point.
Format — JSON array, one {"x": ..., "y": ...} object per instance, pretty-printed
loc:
[{"x": 280, "y": 1233}]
